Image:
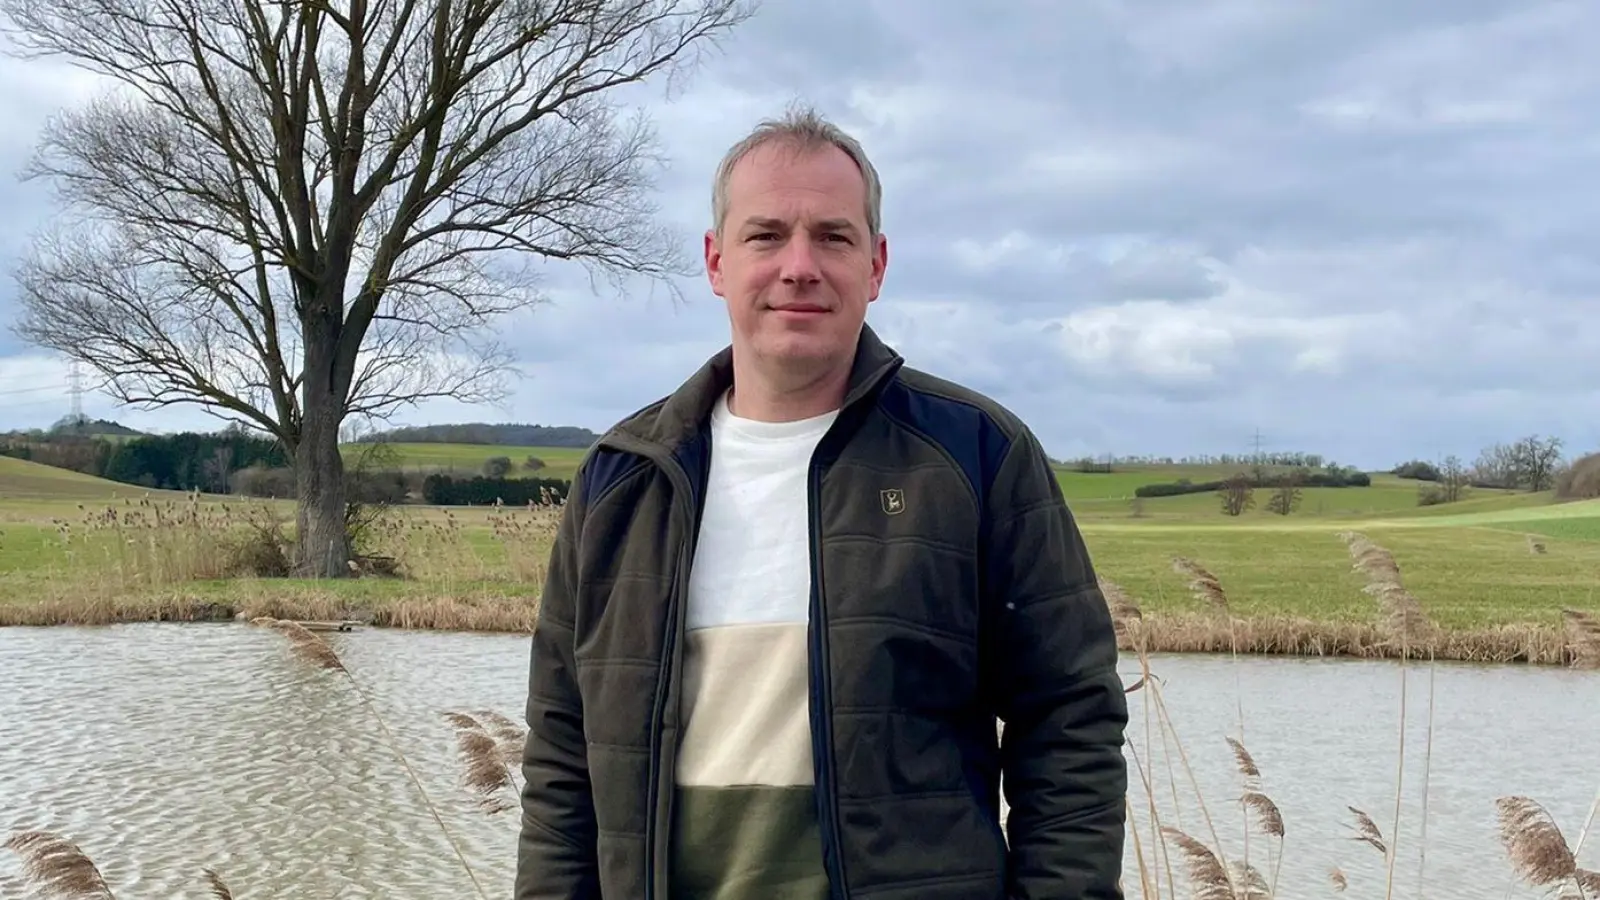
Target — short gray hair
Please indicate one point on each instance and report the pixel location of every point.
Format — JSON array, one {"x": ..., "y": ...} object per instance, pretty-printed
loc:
[{"x": 802, "y": 129}]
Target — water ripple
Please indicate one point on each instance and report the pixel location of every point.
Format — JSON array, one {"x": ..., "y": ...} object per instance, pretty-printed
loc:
[{"x": 165, "y": 749}]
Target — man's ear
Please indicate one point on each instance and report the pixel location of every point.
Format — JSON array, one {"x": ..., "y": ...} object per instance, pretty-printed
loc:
[
  {"x": 880, "y": 265},
  {"x": 713, "y": 253}
]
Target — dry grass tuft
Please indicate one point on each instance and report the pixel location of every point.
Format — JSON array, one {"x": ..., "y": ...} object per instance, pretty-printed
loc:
[
  {"x": 1584, "y": 629},
  {"x": 1538, "y": 850},
  {"x": 1207, "y": 587},
  {"x": 1403, "y": 616},
  {"x": 305, "y": 643},
  {"x": 59, "y": 867},
  {"x": 490, "y": 746}
]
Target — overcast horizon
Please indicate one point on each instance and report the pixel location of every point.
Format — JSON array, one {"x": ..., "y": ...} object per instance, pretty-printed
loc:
[{"x": 1149, "y": 228}]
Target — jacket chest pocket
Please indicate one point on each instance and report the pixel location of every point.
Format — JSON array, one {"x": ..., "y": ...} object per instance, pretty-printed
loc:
[{"x": 901, "y": 580}]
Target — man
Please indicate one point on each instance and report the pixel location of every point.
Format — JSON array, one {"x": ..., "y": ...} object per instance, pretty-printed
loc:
[{"x": 789, "y": 603}]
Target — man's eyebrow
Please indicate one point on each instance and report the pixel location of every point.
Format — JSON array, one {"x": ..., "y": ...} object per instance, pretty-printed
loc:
[{"x": 771, "y": 224}]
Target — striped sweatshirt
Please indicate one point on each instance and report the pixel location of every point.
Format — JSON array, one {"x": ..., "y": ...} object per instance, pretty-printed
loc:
[{"x": 745, "y": 823}]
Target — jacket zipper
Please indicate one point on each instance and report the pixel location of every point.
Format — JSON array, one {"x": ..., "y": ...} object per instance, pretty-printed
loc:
[
  {"x": 671, "y": 631},
  {"x": 822, "y": 699}
]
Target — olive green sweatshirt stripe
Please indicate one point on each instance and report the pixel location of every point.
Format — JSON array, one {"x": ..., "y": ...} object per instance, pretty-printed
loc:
[{"x": 747, "y": 843}]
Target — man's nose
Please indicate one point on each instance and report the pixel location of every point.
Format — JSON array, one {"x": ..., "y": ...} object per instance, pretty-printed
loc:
[{"x": 800, "y": 262}]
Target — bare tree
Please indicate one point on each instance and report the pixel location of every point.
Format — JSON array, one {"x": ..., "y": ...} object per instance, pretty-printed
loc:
[
  {"x": 1286, "y": 494},
  {"x": 1537, "y": 460},
  {"x": 295, "y": 211},
  {"x": 1238, "y": 494},
  {"x": 1453, "y": 479},
  {"x": 1496, "y": 466}
]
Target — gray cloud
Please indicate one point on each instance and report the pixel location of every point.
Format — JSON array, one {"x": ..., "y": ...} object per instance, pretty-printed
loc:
[{"x": 1364, "y": 228}]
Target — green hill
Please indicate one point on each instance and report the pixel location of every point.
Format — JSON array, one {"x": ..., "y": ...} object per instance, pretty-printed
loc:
[
  {"x": 23, "y": 480},
  {"x": 466, "y": 460}
]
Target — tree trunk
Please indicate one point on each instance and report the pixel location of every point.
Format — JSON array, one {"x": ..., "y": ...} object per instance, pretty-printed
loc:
[{"x": 323, "y": 548}]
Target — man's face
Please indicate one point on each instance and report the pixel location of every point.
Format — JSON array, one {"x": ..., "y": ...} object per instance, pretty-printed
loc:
[{"x": 794, "y": 261}]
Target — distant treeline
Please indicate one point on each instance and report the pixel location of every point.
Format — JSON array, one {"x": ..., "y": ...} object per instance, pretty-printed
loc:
[
  {"x": 511, "y": 435},
  {"x": 175, "y": 462},
  {"x": 1282, "y": 458},
  {"x": 1338, "y": 478},
  {"x": 446, "y": 490}
]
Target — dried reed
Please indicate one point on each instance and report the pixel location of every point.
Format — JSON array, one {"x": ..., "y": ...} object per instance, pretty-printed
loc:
[
  {"x": 304, "y": 643},
  {"x": 1208, "y": 877},
  {"x": 1409, "y": 626},
  {"x": 317, "y": 651},
  {"x": 1584, "y": 629},
  {"x": 1125, "y": 613},
  {"x": 490, "y": 746},
  {"x": 1403, "y": 616},
  {"x": 219, "y": 889},
  {"x": 1539, "y": 852},
  {"x": 1269, "y": 819},
  {"x": 59, "y": 867},
  {"x": 1368, "y": 832}
]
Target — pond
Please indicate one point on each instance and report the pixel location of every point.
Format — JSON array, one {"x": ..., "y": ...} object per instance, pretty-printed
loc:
[{"x": 163, "y": 750}]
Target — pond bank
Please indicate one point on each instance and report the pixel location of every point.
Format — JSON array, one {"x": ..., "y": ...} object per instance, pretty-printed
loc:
[{"x": 1534, "y": 643}]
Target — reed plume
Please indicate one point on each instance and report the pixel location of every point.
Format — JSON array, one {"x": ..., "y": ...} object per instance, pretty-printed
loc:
[
  {"x": 1403, "y": 616},
  {"x": 1268, "y": 817},
  {"x": 304, "y": 643},
  {"x": 1539, "y": 851},
  {"x": 1246, "y": 764},
  {"x": 59, "y": 867},
  {"x": 490, "y": 746},
  {"x": 509, "y": 735},
  {"x": 1125, "y": 612},
  {"x": 1208, "y": 877},
  {"x": 219, "y": 889},
  {"x": 1207, "y": 588},
  {"x": 1584, "y": 630},
  {"x": 1367, "y": 831}
]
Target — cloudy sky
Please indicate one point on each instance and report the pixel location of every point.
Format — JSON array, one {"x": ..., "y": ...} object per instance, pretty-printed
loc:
[{"x": 1358, "y": 228}]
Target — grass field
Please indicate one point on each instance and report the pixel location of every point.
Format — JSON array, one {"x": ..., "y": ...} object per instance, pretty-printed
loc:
[{"x": 78, "y": 548}]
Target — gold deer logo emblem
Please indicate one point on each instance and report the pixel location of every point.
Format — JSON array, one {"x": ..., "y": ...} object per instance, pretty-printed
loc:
[{"x": 894, "y": 501}]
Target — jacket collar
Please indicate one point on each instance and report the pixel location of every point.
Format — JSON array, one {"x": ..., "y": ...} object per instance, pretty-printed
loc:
[{"x": 685, "y": 411}]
